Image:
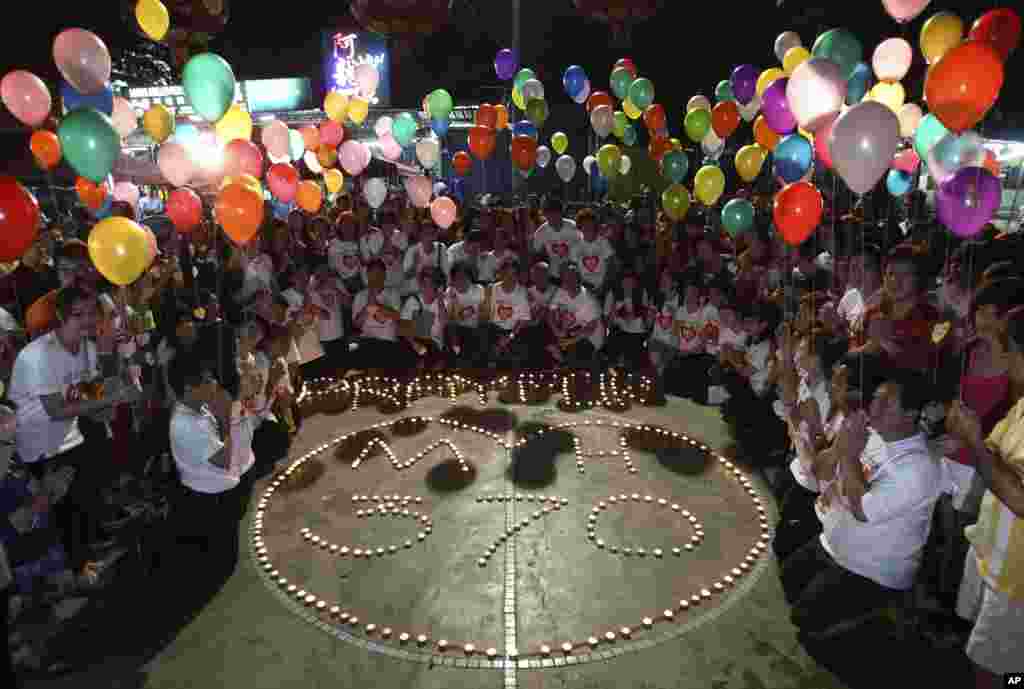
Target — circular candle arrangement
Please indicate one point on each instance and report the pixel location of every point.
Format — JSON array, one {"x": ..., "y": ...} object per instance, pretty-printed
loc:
[{"x": 522, "y": 510}]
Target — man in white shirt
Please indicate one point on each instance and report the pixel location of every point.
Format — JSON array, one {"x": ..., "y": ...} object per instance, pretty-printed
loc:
[
  {"x": 557, "y": 237},
  {"x": 876, "y": 508},
  {"x": 508, "y": 311},
  {"x": 375, "y": 314},
  {"x": 593, "y": 254}
]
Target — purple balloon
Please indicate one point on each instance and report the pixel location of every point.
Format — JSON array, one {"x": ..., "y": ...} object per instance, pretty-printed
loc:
[
  {"x": 506, "y": 64},
  {"x": 967, "y": 200},
  {"x": 744, "y": 83},
  {"x": 775, "y": 108}
]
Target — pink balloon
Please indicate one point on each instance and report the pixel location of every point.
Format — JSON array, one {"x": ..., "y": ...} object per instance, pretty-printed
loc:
[
  {"x": 863, "y": 142},
  {"x": 821, "y": 142},
  {"x": 175, "y": 164},
  {"x": 389, "y": 148},
  {"x": 351, "y": 156},
  {"x": 904, "y": 11},
  {"x": 276, "y": 139},
  {"x": 83, "y": 59},
  {"x": 419, "y": 189},
  {"x": 123, "y": 117},
  {"x": 127, "y": 192},
  {"x": 906, "y": 160},
  {"x": 367, "y": 79},
  {"x": 26, "y": 96},
  {"x": 892, "y": 58},
  {"x": 815, "y": 92},
  {"x": 443, "y": 211},
  {"x": 331, "y": 133}
]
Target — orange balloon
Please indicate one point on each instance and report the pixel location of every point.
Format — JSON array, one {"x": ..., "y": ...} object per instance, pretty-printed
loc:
[
  {"x": 327, "y": 155},
  {"x": 501, "y": 112},
  {"x": 487, "y": 116},
  {"x": 92, "y": 195},
  {"x": 524, "y": 152},
  {"x": 765, "y": 135},
  {"x": 239, "y": 211},
  {"x": 462, "y": 163},
  {"x": 725, "y": 117},
  {"x": 654, "y": 118},
  {"x": 310, "y": 137},
  {"x": 599, "y": 98},
  {"x": 658, "y": 147},
  {"x": 309, "y": 197},
  {"x": 481, "y": 141},
  {"x": 991, "y": 164},
  {"x": 45, "y": 147},
  {"x": 964, "y": 84}
]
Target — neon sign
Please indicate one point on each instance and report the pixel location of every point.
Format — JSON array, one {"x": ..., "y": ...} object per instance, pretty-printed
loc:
[{"x": 344, "y": 51}]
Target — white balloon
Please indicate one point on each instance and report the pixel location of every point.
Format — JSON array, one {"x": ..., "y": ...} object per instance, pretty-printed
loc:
[
  {"x": 428, "y": 152},
  {"x": 785, "y": 41},
  {"x": 312, "y": 162},
  {"x": 532, "y": 88},
  {"x": 566, "y": 167},
  {"x": 712, "y": 145},
  {"x": 602, "y": 119},
  {"x": 383, "y": 126},
  {"x": 584, "y": 93},
  {"x": 375, "y": 191},
  {"x": 543, "y": 156},
  {"x": 588, "y": 164},
  {"x": 625, "y": 165}
]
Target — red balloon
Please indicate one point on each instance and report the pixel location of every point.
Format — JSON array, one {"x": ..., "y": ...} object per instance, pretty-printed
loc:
[
  {"x": 599, "y": 98},
  {"x": 1000, "y": 29},
  {"x": 797, "y": 211},
  {"x": 242, "y": 157},
  {"x": 725, "y": 118},
  {"x": 654, "y": 118},
  {"x": 487, "y": 116},
  {"x": 524, "y": 152},
  {"x": 627, "y": 64},
  {"x": 962, "y": 86},
  {"x": 331, "y": 133},
  {"x": 481, "y": 141},
  {"x": 91, "y": 194},
  {"x": 19, "y": 219},
  {"x": 283, "y": 181},
  {"x": 462, "y": 163},
  {"x": 658, "y": 147},
  {"x": 185, "y": 209}
]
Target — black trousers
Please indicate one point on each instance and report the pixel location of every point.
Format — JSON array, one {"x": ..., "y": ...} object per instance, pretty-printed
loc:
[
  {"x": 822, "y": 593},
  {"x": 7, "y": 677},
  {"x": 629, "y": 347},
  {"x": 270, "y": 443},
  {"x": 389, "y": 355},
  {"x": 471, "y": 342},
  {"x": 688, "y": 377},
  {"x": 798, "y": 522}
]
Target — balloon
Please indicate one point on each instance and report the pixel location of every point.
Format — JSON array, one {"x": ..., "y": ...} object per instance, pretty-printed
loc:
[
  {"x": 625, "y": 165},
  {"x": 749, "y": 161},
  {"x": 127, "y": 192},
  {"x": 543, "y": 156},
  {"x": 505, "y": 64},
  {"x": 953, "y": 152},
  {"x": 123, "y": 117},
  {"x": 247, "y": 181},
  {"x": 890, "y": 94},
  {"x": 296, "y": 144},
  {"x": 629, "y": 136},
  {"x": 83, "y": 60},
  {"x": 841, "y": 47},
  {"x": 674, "y": 166},
  {"x": 559, "y": 142},
  {"x": 793, "y": 157},
  {"x": 524, "y": 152},
  {"x": 309, "y": 197},
  {"x": 620, "y": 81},
  {"x": 991, "y": 164},
  {"x": 283, "y": 181},
  {"x": 404, "y": 129},
  {"x": 767, "y": 77},
  {"x": 602, "y": 119},
  {"x": 584, "y": 95},
  {"x": 487, "y": 115},
  {"x": 723, "y": 92},
  {"x": 1000, "y": 28},
  {"x": 517, "y": 99},
  {"x": 531, "y": 89},
  {"x": 331, "y": 133},
  {"x": 765, "y": 135},
  {"x": 822, "y": 141},
  {"x": 797, "y": 211},
  {"x": 275, "y": 138},
  {"x": 697, "y": 124},
  {"x": 749, "y": 111},
  {"x": 500, "y": 117},
  {"x": 419, "y": 189},
  {"x": 45, "y": 146},
  {"x": 676, "y": 201},
  {"x": 537, "y": 111},
  {"x": 462, "y": 163},
  {"x": 891, "y": 59},
  {"x": 708, "y": 184},
  {"x": 367, "y": 78},
  {"x": 239, "y": 210},
  {"x": 968, "y": 200},
  {"x": 175, "y": 164},
  {"x": 737, "y": 216},
  {"x": 440, "y": 102},
  {"x": 910, "y": 116},
  {"x": 698, "y": 102},
  {"x": 904, "y": 11},
  {"x": 358, "y": 109},
  {"x": 598, "y": 183},
  {"x": 19, "y": 219},
  {"x": 658, "y": 147},
  {"x": 26, "y": 96},
  {"x": 481, "y": 142},
  {"x": 654, "y": 117},
  {"x": 236, "y": 124},
  {"x": 962, "y": 86},
  {"x": 794, "y": 58},
  {"x": 209, "y": 84},
  {"x": 333, "y": 180},
  {"x": 439, "y": 127},
  {"x": 185, "y": 209},
  {"x": 90, "y": 143},
  {"x": 428, "y": 152},
  {"x": 443, "y": 212},
  {"x": 775, "y": 108},
  {"x": 120, "y": 249},
  {"x": 786, "y": 41},
  {"x": 641, "y": 93},
  {"x": 588, "y": 164},
  {"x": 310, "y": 137},
  {"x": 565, "y": 166},
  {"x": 608, "y": 159},
  {"x": 336, "y": 106},
  {"x": 906, "y": 160},
  {"x": 744, "y": 83},
  {"x": 859, "y": 83},
  {"x": 153, "y": 18},
  {"x": 863, "y": 142},
  {"x": 712, "y": 145},
  {"x": 327, "y": 156},
  {"x": 898, "y": 182},
  {"x": 523, "y": 76},
  {"x": 725, "y": 118},
  {"x": 815, "y": 92},
  {"x": 525, "y": 128},
  {"x": 940, "y": 34},
  {"x": 628, "y": 64},
  {"x": 103, "y": 100},
  {"x": 598, "y": 98},
  {"x": 312, "y": 161}
]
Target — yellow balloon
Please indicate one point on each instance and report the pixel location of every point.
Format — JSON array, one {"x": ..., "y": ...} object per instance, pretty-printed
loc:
[
  {"x": 336, "y": 106},
  {"x": 158, "y": 123},
  {"x": 517, "y": 99},
  {"x": 153, "y": 18},
  {"x": 806, "y": 134},
  {"x": 795, "y": 56},
  {"x": 632, "y": 112},
  {"x": 939, "y": 34},
  {"x": 334, "y": 180},
  {"x": 890, "y": 94},
  {"x": 749, "y": 161},
  {"x": 708, "y": 184},
  {"x": 559, "y": 142},
  {"x": 236, "y": 124},
  {"x": 247, "y": 181},
  {"x": 767, "y": 78},
  {"x": 358, "y": 109},
  {"x": 121, "y": 249}
]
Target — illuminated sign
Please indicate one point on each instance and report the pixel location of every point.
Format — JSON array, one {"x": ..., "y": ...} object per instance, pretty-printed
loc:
[
  {"x": 171, "y": 97},
  {"x": 344, "y": 51},
  {"x": 259, "y": 95}
]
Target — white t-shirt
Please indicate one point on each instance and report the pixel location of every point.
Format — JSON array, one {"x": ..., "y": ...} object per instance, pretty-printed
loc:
[
  {"x": 195, "y": 439},
  {"x": 557, "y": 244},
  {"x": 540, "y": 301},
  {"x": 376, "y": 325},
  {"x": 625, "y": 314},
  {"x": 465, "y": 306},
  {"x": 664, "y": 323},
  {"x": 327, "y": 296},
  {"x": 577, "y": 311},
  {"x": 258, "y": 275},
  {"x": 760, "y": 361},
  {"x": 415, "y": 304},
  {"x": 435, "y": 257},
  {"x": 592, "y": 258},
  {"x": 344, "y": 257},
  {"x": 395, "y": 276},
  {"x": 44, "y": 367},
  {"x": 690, "y": 324},
  {"x": 509, "y": 308}
]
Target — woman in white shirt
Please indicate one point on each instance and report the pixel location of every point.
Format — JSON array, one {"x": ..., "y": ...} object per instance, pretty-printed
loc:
[
  {"x": 508, "y": 315},
  {"x": 376, "y": 312},
  {"x": 465, "y": 301},
  {"x": 576, "y": 322},
  {"x": 627, "y": 309},
  {"x": 663, "y": 345},
  {"x": 427, "y": 253},
  {"x": 593, "y": 254}
]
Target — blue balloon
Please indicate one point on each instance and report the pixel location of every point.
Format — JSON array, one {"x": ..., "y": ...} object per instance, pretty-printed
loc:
[
  {"x": 73, "y": 100},
  {"x": 105, "y": 210},
  {"x": 899, "y": 182},
  {"x": 281, "y": 209},
  {"x": 598, "y": 182},
  {"x": 574, "y": 80},
  {"x": 793, "y": 156},
  {"x": 859, "y": 83},
  {"x": 525, "y": 128},
  {"x": 186, "y": 134},
  {"x": 440, "y": 127}
]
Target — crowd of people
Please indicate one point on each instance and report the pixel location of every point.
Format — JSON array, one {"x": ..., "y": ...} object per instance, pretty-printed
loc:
[{"x": 872, "y": 373}]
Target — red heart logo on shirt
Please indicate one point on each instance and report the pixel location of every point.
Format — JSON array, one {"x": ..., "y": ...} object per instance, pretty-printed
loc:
[
  {"x": 592, "y": 263},
  {"x": 711, "y": 331},
  {"x": 560, "y": 249},
  {"x": 665, "y": 321},
  {"x": 505, "y": 312},
  {"x": 689, "y": 332}
]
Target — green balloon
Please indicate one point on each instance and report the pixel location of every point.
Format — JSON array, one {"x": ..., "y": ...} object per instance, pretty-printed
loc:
[
  {"x": 929, "y": 132},
  {"x": 676, "y": 201},
  {"x": 403, "y": 128},
  {"x": 641, "y": 93},
  {"x": 296, "y": 144},
  {"x": 723, "y": 92},
  {"x": 629, "y": 135},
  {"x": 537, "y": 111},
  {"x": 674, "y": 166},
  {"x": 440, "y": 103},
  {"x": 522, "y": 76},
  {"x": 619, "y": 124},
  {"x": 737, "y": 216},
  {"x": 620, "y": 81},
  {"x": 842, "y": 47},
  {"x": 697, "y": 124},
  {"x": 209, "y": 83},
  {"x": 608, "y": 158},
  {"x": 90, "y": 143}
]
